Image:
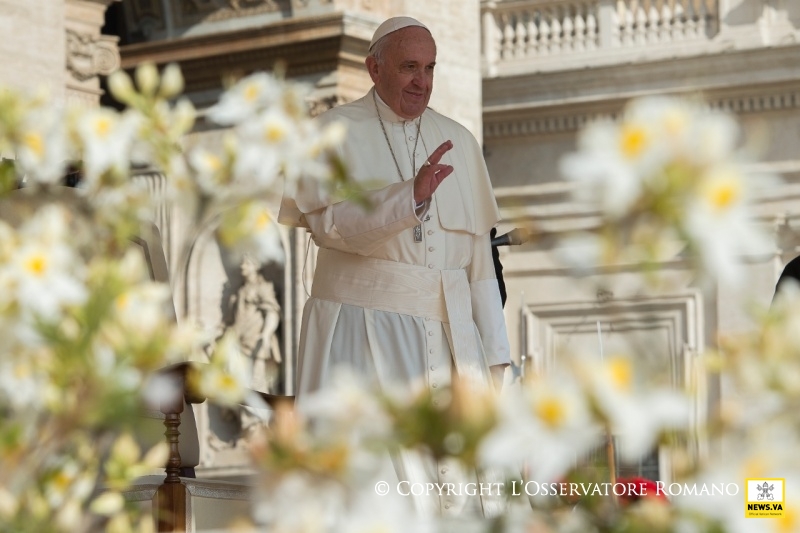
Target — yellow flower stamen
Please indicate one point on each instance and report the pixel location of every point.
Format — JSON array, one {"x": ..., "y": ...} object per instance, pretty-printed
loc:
[
  {"x": 122, "y": 301},
  {"x": 36, "y": 265},
  {"x": 262, "y": 221},
  {"x": 251, "y": 92},
  {"x": 633, "y": 141},
  {"x": 214, "y": 163},
  {"x": 102, "y": 126},
  {"x": 722, "y": 193},
  {"x": 551, "y": 411},
  {"x": 620, "y": 372},
  {"x": 274, "y": 133},
  {"x": 61, "y": 481},
  {"x": 34, "y": 142},
  {"x": 226, "y": 382}
]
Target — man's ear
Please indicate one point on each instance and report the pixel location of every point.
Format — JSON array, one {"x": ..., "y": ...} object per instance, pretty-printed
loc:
[{"x": 372, "y": 68}]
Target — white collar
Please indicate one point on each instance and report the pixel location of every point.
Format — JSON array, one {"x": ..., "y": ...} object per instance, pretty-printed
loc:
[{"x": 386, "y": 112}]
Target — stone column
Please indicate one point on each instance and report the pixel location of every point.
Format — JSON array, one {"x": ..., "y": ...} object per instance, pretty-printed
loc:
[{"x": 88, "y": 53}]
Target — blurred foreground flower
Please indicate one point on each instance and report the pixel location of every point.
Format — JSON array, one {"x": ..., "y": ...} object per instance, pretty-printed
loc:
[
  {"x": 84, "y": 330},
  {"x": 667, "y": 175}
]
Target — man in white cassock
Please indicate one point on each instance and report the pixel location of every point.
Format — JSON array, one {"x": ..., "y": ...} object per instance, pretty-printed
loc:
[{"x": 404, "y": 293}]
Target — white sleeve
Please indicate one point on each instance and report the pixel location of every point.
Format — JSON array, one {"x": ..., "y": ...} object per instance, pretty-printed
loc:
[
  {"x": 487, "y": 308},
  {"x": 353, "y": 228}
]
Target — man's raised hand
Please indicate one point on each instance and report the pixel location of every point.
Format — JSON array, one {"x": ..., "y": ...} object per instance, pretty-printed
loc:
[{"x": 431, "y": 174}]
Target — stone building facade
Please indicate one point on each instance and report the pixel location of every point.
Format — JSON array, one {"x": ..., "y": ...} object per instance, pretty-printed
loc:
[{"x": 523, "y": 76}]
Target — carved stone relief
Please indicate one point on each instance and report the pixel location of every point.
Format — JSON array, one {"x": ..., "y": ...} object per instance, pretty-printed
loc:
[
  {"x": 247, "y": 300},
  {"x": 250, "y": 308},
  {"x": 91, "y": 55}
]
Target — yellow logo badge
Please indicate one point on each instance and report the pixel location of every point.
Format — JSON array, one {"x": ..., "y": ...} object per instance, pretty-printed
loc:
[{"x": 765, "y": 498}]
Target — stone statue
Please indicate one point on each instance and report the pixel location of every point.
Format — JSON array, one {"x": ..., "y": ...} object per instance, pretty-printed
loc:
[{"x": 256, "y": 317}]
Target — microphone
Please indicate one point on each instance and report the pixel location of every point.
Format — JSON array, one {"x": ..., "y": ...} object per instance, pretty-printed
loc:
[{"x": 513, "y": 237}]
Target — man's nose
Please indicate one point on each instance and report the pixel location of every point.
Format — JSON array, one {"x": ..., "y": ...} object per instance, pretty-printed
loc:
[{"x": 421, "y": 77}]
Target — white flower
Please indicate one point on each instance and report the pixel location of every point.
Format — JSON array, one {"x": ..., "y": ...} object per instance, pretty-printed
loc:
[
  {"x": 248, "y": 229},
  {"x": 209, "y": 169},
  {"x": 307, "y": 159},
  {"x": 369, "y": 512},
  {"x": 720, "y": 226},
  {"x": 263, "y": 144},
  {"x": 315, "y": 504},
  {"x": 345, "y": 411},
  {"x": 712, "y": 139},
  {"x": 768, "y": 453},
  {"x": 547, "y": 424},
  {"x": 245, "y": 99},
  {"x": 107, "y": 138},
  {"x": 141, "y": 309},
  {"x": 22, "y": 380},
  {"x": 42, "y": 150},
  {"x": 47, "y": 273},
  {"x": 68, "y": 482},
  {"x": 600, "y": 174},
  {"x": 226, "y": 378},
  {"x": 637, "y": 416}
]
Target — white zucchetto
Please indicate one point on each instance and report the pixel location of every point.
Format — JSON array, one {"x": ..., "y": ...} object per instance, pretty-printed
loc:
[{"x": 393, "y": 24}]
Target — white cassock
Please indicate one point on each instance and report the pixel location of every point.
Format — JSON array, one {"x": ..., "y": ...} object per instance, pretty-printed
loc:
[{"x": 396, "y": 305}]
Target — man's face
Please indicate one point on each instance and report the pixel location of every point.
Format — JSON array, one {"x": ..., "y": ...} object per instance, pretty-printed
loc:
[{"x": 404, "y": 79}]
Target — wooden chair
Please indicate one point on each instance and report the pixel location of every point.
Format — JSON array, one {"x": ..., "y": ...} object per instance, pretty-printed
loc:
[{"x": 172, "y": 496}]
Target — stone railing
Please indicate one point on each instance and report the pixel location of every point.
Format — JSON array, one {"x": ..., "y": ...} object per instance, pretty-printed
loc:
[{"x": 524, "y": 35}]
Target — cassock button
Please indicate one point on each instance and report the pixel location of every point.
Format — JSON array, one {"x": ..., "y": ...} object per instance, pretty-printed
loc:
[
  {"x": 430, "y": 266},
  {"x": 430, "y": 232},
  {"x": 447, "y": 506},
  {"x": 435, "y": 385},
  {"x": 431, "y": 248},
  {"x": 430, "y": 334},
  {"x": 410, "y": 138},
  {"x": 431, "y": 351},
  {"x": 444, "y": 470}
]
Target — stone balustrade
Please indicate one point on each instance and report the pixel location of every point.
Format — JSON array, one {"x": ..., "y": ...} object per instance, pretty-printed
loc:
[{"x": 524, "y": 35}]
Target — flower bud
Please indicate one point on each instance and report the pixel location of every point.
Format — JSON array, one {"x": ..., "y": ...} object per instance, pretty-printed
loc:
[
  {"x": 171, "y": 81},
  {"x": 185, "y": 114},
  {"x": 121, "y": 87},
  {"x": 147, "y": 78},
  {"x": 108, "y": 503}
]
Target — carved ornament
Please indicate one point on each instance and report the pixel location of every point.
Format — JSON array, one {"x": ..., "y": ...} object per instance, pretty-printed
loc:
[{"x": 91, "y": 55}]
